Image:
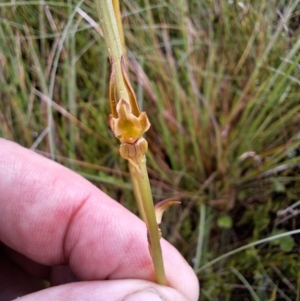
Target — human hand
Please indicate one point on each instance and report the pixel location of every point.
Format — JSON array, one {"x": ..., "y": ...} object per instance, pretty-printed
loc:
[{"x": 56, "y": 225}]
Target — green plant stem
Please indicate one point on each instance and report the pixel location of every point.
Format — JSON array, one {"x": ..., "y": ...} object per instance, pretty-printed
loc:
[
  {"x": 150, "y": 220},
  {"x": 200, "y": 237},
  {"x": 253, "y": 244},
  {"x": 116, "y": 6},
  {"x": 113, "y": 43},
  {"x": 136, "y": 191},
  {"x": 140, "y": 182},
  {"x": 246, "y": 283}
]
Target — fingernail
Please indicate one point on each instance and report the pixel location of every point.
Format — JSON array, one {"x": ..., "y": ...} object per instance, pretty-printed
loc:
[{"x": 148, "y": 295}]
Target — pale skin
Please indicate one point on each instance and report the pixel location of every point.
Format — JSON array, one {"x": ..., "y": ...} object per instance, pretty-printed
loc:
[{"x": 56, "y": 225}]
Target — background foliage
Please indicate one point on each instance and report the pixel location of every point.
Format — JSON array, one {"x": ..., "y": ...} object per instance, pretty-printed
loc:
[{"x": 220, "y": 83}]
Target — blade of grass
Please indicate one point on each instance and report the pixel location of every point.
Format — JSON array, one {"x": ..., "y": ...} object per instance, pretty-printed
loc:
[
  {"x": 246, "y": 283},
  {"x": 200, "y": 240},
  {"x": 253, "y": 244}
]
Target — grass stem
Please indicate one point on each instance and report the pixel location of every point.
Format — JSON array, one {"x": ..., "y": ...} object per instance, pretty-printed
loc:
[
  {"x": 200, "y": 237},
  {"x": 253, "y": 244}
]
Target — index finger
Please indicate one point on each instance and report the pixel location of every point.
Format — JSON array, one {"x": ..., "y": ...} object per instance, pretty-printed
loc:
[{"x": 54, "y": 216}]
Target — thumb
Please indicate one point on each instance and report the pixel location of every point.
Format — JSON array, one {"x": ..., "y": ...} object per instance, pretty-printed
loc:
[{"x": 109, "y": 290}]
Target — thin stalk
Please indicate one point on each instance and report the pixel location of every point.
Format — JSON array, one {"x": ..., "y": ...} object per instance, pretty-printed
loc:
[
  {"x": 246, "y": 283},
  {"x": 139, "y": 174},
  {"x": 200, "y": 237},
  {"x": 248, "y": 246},
  {"x": 42, "y": 29},
  {"x": 116, "y": 5},
  {"x": 113, "y": 43},
  {"x": 152, "y": 227},
  {"x": 42, "y": 80},
  {"x": 298, "y": 286},
  {"x": 42, "y": 66},
  {"x": 71, "y": 73},
  {"x": 137, "y": 194}
]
